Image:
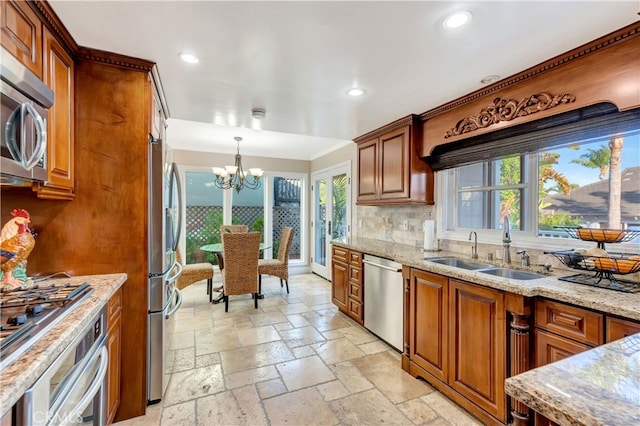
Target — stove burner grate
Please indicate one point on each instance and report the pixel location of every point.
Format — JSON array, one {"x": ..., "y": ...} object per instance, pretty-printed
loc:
[{"x": 37, "y": 294}]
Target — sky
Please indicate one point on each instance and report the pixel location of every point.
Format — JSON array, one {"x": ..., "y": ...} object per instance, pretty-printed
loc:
[{"x": 581, "y": 175}]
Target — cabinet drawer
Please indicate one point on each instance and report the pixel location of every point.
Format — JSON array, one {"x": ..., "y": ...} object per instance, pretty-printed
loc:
[
  {"x": 355, "y": 274},
  {"x": 551, "y": 348},
  {"x": 114, "y": 307},
  {"x": 569, "y": 321},
  {"x": 355, "y": 310},
  {"x": 355, "y": 291},
  {"x": 340, "y": 254},
  {"x": 355, "y": 258},
  {"x": 618, "y": 328}
]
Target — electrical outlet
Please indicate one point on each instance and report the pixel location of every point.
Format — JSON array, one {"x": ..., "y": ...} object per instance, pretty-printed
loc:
[{"x": 405, "y": 225}]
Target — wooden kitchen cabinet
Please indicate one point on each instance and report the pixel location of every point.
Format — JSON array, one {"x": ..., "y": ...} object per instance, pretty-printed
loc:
[
  {"x": 457, "y": 335},
  {"x": 389, "y": 169},
  {"x": 617, "y": 328},
  {"x": 59, "y": 76},
  {"x": 114, "y": 347},
  {"x": 347, "y": 286},
  {"x": 429, "y": 318},
  {"x": 550, "y": 347},
  {"x": 477, "y": 345},
  {"x": 21, "y": 33}
]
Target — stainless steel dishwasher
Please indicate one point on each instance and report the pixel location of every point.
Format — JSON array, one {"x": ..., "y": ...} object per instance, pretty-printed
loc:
[{"x": 383, "y": 299}]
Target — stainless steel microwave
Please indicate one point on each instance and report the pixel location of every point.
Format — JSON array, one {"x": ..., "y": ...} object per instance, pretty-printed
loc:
[{"x": 23, "y": 122}]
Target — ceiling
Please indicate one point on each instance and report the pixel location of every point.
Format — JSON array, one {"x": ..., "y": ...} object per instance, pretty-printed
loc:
[{"x": 297, "y": 59}]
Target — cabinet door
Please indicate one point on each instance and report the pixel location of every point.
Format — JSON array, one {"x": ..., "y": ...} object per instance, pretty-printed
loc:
[
  {"x": 58, "y": 75},
  {"x": 368, "y": 170},
  {"x": 477, "y": 345},
  {"x": 428, "y": 319},
  {"x": 550, "y": 347},
  {"x": 114, "y": 347},
  {"x": 394, "y": 164},
  {"x": 339, "y": 284},
  {"x": 21, "y": 34},
  {"x": 618, "y": 328}
]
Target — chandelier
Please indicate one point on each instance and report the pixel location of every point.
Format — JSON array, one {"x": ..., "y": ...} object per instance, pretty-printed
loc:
[{"x": 234, "y": 177}]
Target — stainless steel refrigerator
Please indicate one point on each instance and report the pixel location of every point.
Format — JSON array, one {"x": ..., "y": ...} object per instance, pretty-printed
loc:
[{"x": 165, "y": 222}]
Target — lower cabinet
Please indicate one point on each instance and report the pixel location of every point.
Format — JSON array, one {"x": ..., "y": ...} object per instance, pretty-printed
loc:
[
  {"x": 617, "y": 328},
  {"x": 457, "y": 335},
  {"x": 114, "y": 324},
  {"x": 347, "y": 289}
]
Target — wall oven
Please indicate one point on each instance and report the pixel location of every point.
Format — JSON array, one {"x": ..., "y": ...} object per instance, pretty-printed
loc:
[
  {"x": 72, "y": 390},
  {"x": 25, "y": 100}
]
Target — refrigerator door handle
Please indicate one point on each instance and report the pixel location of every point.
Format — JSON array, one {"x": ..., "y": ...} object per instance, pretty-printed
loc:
[
  {"x": 178, "y": 267},
  {"x": 178, "y": 298},
  {"x": 175, "y": 180}
]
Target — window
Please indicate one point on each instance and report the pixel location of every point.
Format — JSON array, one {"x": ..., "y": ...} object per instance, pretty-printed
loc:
[
  {"x": 282, "y": 195},
  {"x": 590, "y": 183}
]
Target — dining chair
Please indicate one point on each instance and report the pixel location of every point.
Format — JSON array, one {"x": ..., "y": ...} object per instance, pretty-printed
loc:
[
  {"x": 278, "y": 267},
  {"x": 233, "y": 228},
  {"x": 240, "y": 274},
  {"x": 193, "y": 273}
]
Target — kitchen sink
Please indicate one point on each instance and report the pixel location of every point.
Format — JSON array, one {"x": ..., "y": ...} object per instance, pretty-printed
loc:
[
  {"x": 513, "y": 274},
  {"x": 459, "y": 263}
]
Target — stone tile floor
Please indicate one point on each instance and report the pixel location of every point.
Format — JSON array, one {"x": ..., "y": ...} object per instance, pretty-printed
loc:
[{"x": 295, "y": 360}]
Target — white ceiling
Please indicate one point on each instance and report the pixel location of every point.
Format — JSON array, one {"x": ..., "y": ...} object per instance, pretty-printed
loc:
[{"x": 296, "y": 59}]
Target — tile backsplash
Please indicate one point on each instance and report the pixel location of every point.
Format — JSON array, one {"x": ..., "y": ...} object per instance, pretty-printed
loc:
[{"x": 386, "y": 223}]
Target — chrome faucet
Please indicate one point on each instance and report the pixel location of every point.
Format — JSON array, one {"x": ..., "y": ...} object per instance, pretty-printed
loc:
[
  {"x": 506, "y": 240},
  {"x": 474, "y": 247}
]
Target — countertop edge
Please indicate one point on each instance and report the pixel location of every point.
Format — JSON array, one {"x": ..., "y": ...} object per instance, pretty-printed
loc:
[
  {"x": 19, "y": 376},
  {"x": 626, "y": 305}
]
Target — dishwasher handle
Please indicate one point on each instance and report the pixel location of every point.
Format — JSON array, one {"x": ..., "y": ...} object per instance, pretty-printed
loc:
[{"x": 377, "y": 265}]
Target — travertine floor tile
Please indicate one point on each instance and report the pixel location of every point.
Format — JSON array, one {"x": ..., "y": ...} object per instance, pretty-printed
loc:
[
  {"x": 374, "y": 347},
  {"x": 300, "y": 373},
  {"x": 417, "y": 411},
  {"x": 207, "y": 359},
  {"x": 332, "y": 390},
  {"x": 179, "y": 415},
  {"x": 180, "y": 360},
  {"x": 397, "y": 385},
  {"x": 297, "y": 320},
  {"x": 367, "y": 408},
  {"x": 326, "y": 320},
  {"x": 448, "y": 410},
  {"x": 303, "y": 407},
  {"x": 271, "y": 388},
  {"x": 225, "y": 409},
  {"x": 303, "y": 351},
  {"x": 268, "y": 318},
  {"x": 216, "y": 340},
  {"x": 358, "y": 335},
  {"x": 249, "y": 357},
  {"x": 293, "y": 308},
  {"x": 191, "y": 384},
  {"x": 257, "y": 335},
  {"x": 338, "y": 350},
  {"x": 301, "y": 336},
  {"x": 351, "y": 377},
  {"x": 248, "y": 377}
]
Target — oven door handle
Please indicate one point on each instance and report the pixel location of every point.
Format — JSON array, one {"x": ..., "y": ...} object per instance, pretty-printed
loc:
[{"x": 97, "y": 382}]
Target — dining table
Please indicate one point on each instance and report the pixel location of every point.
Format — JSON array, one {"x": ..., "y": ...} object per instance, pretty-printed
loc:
[{"x": 216, "y": 248}]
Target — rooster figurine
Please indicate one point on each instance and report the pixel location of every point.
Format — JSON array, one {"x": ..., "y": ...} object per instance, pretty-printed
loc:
[{"x": 16, "y": 242}]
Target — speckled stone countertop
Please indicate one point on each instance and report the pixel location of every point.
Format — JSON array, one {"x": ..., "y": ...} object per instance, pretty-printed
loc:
[
  {"x": 626, "y": 305},
  {"x": 598, "y": 387},
  {"x": 18, "y": 377}
]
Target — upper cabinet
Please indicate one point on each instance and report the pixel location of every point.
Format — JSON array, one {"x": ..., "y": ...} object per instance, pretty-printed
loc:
[
  {"x": 21, "y": 34},
  {"x": 389, "y": 170},
  {"x": 32, "y": 33},
  {"x": 58, "y": 75}
]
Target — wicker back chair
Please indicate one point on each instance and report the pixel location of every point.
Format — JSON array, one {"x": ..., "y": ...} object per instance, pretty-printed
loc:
[
  {"x": 240, "y": 274},
  {"x": 278, "y": 267},
  {"x": 195, "y": 272},
  {"x": 225, "y": 229}
]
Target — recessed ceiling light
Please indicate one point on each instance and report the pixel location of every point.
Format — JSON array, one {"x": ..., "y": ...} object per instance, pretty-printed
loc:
[
  {"x": 490, "y": 79},
  {"x": 189, "y": 58},
  {"x": 355, "y": 91},
  {"x": 457, "y": 19}
]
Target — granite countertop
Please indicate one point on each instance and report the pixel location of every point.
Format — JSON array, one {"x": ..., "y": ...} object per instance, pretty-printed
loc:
[
  {"x": 626, "y": 305},
  {"x": 18, "y": 377},
  {"x": 598, "y": 387}
]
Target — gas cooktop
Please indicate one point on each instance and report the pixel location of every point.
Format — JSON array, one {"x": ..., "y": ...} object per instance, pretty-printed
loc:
[{"x": 27, "y": 314}]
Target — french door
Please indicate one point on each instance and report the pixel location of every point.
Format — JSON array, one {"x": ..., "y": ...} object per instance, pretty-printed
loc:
[{"x": 331, "y": 193}]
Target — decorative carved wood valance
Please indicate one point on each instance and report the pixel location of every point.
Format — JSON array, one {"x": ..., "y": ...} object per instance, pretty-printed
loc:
[{"x": 507, "y": 110}]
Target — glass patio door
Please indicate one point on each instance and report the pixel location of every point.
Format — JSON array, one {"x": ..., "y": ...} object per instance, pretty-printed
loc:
[{"x": 331, "y": 192}]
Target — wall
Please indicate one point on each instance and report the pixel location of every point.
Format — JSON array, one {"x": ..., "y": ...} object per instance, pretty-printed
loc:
[{"x": 209, "y": 159}]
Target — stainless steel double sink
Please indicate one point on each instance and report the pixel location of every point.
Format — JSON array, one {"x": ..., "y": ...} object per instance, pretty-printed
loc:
[{"x": 485, "y": 268}]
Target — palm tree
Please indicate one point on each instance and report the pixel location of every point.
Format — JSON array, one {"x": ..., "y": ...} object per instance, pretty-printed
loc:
[
  {"x": 615, "y": 181},
  {"x": 596, "y": 159}
]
